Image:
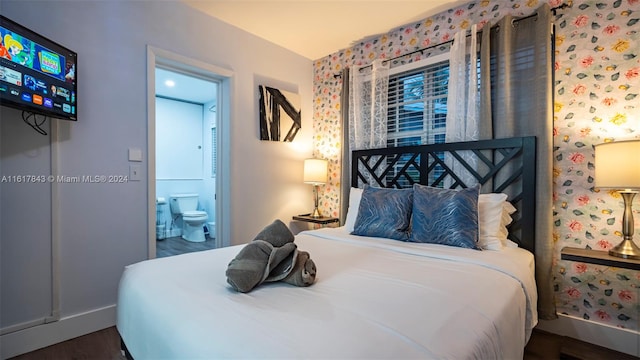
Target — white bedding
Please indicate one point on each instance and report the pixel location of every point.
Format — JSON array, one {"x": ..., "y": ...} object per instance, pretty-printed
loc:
[{"x": 373, "y": 298}]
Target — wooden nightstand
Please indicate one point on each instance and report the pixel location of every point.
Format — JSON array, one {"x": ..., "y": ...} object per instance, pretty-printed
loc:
[
  {"x": 598, "y": 257},
  {"x": 321, "y": 220}
]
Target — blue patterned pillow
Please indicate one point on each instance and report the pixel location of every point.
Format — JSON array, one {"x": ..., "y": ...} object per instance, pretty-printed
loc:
[
  {"x": 445, "y": 216},
  {"x": 384, "y": 213}
]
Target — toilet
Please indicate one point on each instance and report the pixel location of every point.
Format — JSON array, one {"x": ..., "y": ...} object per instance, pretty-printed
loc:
[{"x": 193, "y": 220}]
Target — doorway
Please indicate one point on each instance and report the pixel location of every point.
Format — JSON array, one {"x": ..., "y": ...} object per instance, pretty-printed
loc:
[
  {"x": 186, "y": 123},
  {"x": 188, "y": 104}
]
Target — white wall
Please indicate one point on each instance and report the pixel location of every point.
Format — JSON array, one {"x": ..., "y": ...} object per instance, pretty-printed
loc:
[
  {"x": 24, "y": 295},
  {"x": 103, "y": 227},
  {"x": 183, "y": 158},
  {"x": 179, "y": 140}
]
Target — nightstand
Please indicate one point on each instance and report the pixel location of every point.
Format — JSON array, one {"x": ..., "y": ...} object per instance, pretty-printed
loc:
[
  {"x": 598, "y": 257},
  {"x": 320, "y": 221}
]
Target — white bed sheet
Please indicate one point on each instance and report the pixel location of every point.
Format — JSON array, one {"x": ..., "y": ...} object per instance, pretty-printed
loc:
[{"x": 373, "y": 298}]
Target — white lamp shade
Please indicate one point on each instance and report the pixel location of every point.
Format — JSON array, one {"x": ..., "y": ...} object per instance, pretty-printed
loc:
[
  {"x": 315, "y": 171},
  {"x": 618, "y": 165}
]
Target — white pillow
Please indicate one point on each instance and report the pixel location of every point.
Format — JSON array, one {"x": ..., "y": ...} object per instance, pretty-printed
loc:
[
  {"x": 494, "y": 214},
  {"x": 355, "y": 195}
]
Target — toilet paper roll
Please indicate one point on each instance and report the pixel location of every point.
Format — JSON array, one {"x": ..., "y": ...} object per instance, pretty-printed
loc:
[{"x": 161, "y": 201}]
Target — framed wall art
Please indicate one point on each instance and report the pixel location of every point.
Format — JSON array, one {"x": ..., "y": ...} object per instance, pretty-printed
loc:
[{"x": 280, "y": 118}]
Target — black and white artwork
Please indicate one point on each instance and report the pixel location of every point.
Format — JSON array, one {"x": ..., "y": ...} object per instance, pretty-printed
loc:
[{"x": 279, "y": 114}]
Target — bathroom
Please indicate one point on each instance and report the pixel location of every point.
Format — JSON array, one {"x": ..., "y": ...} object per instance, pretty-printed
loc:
[{"x": 186, "y": 121}]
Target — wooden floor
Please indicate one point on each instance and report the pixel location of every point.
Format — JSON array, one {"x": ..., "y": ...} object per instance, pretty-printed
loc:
[
  {"x": 177, "y": 245},
  {"x": 105, "y": 344}
]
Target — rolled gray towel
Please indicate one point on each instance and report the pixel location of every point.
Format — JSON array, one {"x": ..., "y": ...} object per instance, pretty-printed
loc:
[
  {"x": 258, "y": 261},
  {"x": 279, "y": 269},
  {"x": 247, "y": 269},
  {"x": 304, "y": 271},
  {"x": 271, "y": 256},
  {"x": 276, "y": 233}
]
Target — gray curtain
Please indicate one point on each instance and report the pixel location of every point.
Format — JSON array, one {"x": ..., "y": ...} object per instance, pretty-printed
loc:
[
  {"x": 521, "y": 93},
  {"x": 345, "y": 174}
]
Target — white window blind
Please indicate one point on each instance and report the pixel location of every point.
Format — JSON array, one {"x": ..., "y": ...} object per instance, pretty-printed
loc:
[
  {"x": 417, "y": 111},
  {"x": 417, "y": 105}
]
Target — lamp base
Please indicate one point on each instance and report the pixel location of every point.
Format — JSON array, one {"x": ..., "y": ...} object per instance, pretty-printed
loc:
[
  {"x": 627, "y": 249},
  {"x": 316, "y": 213}
]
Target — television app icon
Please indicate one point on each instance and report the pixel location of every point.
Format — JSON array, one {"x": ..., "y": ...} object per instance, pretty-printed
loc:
[
  {"x": 34, "y": 84},
  {"x": 11, "y": 76},
  {"x": 37, "y": 99}
]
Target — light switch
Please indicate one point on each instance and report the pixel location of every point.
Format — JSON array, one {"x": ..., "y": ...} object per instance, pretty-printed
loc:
[
  {"x": 134, "y": 172},
  {"x": 135, "y": 154}
]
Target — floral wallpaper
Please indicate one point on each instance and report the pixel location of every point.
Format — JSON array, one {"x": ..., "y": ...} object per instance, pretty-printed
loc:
[{"x": 597, "y": 87}]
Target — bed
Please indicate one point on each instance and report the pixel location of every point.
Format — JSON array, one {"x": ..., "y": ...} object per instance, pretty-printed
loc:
[{"x": 373, "y": 297}]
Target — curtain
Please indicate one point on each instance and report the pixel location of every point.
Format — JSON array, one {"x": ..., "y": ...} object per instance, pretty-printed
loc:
[
  {"x": 364, "y": 118},
  {"x": 462, "y": 97},
  {"x": 368, "y": 107},
  {"x": 521, "y": 64},
  {"x": 368, "y": 100},
  {"x": 463, "y": 106}
]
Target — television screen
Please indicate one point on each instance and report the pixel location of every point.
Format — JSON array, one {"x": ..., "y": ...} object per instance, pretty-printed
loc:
[{"x": 36, "y": 74}]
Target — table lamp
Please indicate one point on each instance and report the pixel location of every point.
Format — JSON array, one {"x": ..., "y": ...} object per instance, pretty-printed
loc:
[
  {"x": 315, "y": 173},
  {"x": 618, "y": 167}
]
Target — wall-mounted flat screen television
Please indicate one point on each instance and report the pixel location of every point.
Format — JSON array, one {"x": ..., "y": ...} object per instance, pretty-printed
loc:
[{"x": 36, "y": 74}]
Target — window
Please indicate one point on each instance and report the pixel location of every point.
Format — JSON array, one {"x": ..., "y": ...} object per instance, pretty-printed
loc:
[
  {"x": 417, "y": 105},
  {"x": 417, "y": 111}
]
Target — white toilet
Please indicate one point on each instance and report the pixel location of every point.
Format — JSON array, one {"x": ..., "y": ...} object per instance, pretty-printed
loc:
[{"x": 193, "y": 220}]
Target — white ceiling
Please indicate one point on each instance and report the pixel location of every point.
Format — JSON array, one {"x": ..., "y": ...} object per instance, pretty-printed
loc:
[
  {"x": 185, "y": 87},
  {"x": 317, "y": 28},
  {"x": 310, "y": 28}
]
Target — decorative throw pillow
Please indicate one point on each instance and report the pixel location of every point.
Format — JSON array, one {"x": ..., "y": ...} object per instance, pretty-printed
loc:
[
  {"x": 355, "y": 194},
  {"x": 445, "y": 216},
  {"x": 384, "y": 213}
]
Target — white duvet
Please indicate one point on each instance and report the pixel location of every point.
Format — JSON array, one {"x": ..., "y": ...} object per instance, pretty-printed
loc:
[{"x": 373, "y": 298}]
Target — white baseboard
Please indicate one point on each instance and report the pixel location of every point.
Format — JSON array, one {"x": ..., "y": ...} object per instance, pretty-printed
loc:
[
  {"x": 37, "y": 337},
  {"x": 614, "y": 338}
]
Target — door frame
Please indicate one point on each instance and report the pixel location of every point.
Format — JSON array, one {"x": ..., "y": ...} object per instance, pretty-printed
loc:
[{"x": 181, "y": 63}]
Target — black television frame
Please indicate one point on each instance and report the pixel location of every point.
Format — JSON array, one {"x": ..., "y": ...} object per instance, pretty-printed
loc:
[{"x": 36, "y": 91}]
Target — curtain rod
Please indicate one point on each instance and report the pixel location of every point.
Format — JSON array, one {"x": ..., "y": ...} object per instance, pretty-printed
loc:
[{"x": 422, "y": 50}]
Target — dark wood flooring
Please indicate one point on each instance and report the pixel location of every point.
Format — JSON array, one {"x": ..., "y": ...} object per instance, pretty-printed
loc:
[
  {"x": 105, "y": 344},
  {"x": 177, "y": 245}
]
